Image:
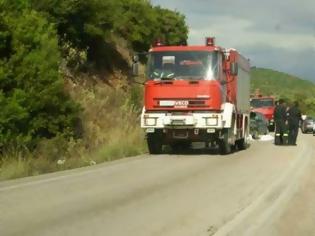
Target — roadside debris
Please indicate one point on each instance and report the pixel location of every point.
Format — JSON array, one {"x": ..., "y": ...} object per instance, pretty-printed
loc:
[
  {"x": 61, "y": 162},
  {"x": 267, "y": 137}
]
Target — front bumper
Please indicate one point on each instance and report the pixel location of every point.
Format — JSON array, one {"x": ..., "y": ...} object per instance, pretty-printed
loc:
[{"x": 182, "y": 121}]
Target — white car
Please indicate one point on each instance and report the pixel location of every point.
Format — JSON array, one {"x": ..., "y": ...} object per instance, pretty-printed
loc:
[{"x": 307, "y": 125}]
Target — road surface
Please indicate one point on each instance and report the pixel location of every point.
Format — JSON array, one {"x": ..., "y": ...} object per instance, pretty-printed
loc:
[{"x": 265, "y": 190}]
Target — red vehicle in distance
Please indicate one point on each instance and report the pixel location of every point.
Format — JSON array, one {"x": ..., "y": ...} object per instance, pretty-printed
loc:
[{"x": 265, "y": 105}]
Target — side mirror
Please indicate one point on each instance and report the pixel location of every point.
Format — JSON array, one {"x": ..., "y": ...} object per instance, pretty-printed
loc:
[
  {"x": 135, "y": 58},
  {"x": 135, "y": 65},
  {"x": 135, "y": 69},
  {"x": 234, "y": 68}
]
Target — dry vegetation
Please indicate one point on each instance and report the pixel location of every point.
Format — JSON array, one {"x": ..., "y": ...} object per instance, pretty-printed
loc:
[{"x": 110, "y": 130}]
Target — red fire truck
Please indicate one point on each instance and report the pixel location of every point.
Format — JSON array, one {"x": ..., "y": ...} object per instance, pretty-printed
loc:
[
  {"x": 265, "y": 105},
  {"x": 196, "y": 94}
]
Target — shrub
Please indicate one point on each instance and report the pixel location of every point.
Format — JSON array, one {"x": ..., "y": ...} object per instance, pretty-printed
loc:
[{"x": 32, "y": 98}]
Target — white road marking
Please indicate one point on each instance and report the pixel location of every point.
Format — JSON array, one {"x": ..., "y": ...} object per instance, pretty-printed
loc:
[
  {"x": 285, "y": 183},
  {"x": 82, "y": 173}
]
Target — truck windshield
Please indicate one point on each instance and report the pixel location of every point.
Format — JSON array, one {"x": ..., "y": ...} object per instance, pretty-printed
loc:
[
  {"x": 189, "y": 65},
  {"x": 257, "y": 103}
]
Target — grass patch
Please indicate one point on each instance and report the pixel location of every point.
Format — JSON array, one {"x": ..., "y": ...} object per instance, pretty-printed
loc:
[{"x": 110, "y": 131}]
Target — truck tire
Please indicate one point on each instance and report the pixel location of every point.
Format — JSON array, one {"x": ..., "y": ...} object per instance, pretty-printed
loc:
[
  {"x": 241, "y": 144},
  {"x": 224, "y": 146},
  {"x": 154, "y": 144},
  {"x": 255, "y": 135}
]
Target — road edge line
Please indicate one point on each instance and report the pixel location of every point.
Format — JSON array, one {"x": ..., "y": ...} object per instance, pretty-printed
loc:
[{"x": 284, "y": 183}]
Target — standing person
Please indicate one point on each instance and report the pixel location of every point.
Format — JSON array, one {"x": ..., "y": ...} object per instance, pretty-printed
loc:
[
  {"x": 285, "y": 138},
  {"x": 294, "y": 117},
  {"x": 280, "y": 117}
]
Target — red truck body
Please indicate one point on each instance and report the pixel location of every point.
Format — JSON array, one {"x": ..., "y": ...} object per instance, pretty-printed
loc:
[
  {"x": 196, "y": 93},
  {"x": 264, "y": 105}
]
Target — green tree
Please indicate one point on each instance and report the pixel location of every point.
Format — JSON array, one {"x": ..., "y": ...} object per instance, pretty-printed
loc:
[
  {"x": 32, "y": 98},
  {"x": 78, "y": 21},
  {"x": 141, "y": 24},
  {"x": 85, "y": 24},
  {"x": 171, "y": 26},
  {"x": 90, "y": 25},
  {"x": 136, "y": 23}
]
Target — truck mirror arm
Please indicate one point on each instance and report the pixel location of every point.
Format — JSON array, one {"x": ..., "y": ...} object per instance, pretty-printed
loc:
[
  {"x": 137, "y": 82},
  {"x": 136, "y": 79},
  {"x": 224, "y": 82},
  {"x": 136, "y": 60},
  {"x": 138, "y": 55}
]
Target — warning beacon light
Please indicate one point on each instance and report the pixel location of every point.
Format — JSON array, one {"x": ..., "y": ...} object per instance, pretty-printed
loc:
[
  {"x": 158, "y": 43},
  {"x": 210, "y": 41}
]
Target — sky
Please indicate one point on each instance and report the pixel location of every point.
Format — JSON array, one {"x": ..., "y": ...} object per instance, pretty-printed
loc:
[{"x": 273, "y": 34}]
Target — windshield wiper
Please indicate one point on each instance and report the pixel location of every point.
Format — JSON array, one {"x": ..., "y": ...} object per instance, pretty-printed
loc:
[
  {"x": 190, "y": 77},
  {"x": 167, "y": 78}
]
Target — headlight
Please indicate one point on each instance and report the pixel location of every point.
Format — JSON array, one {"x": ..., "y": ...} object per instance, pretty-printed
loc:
[
  {"x": 212, "y": 121},
  {"x": 150, "y": 121}
]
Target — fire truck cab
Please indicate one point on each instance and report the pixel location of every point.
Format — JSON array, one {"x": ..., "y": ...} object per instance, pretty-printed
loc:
[{"x": 265, "y": 105}]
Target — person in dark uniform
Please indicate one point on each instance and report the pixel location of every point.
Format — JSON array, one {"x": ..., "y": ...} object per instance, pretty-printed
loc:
[
  {"x": 294, "y": 117},
  {"x": 280, "y": 117}
]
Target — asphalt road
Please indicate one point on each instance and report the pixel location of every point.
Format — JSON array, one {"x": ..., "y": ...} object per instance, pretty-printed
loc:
[{"x": 264, "y": 190}]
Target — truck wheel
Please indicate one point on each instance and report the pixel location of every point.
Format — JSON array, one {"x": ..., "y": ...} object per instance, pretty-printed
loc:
[
  {"x": 224, "y": 146},
  {"x": 154, "y": 143},
  {"x": 241, "y": 144},
  {"x": 255, "y": 135}
]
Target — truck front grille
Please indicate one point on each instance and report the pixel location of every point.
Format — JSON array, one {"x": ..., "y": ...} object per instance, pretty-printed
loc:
[{"x": 180, "y": 103}]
